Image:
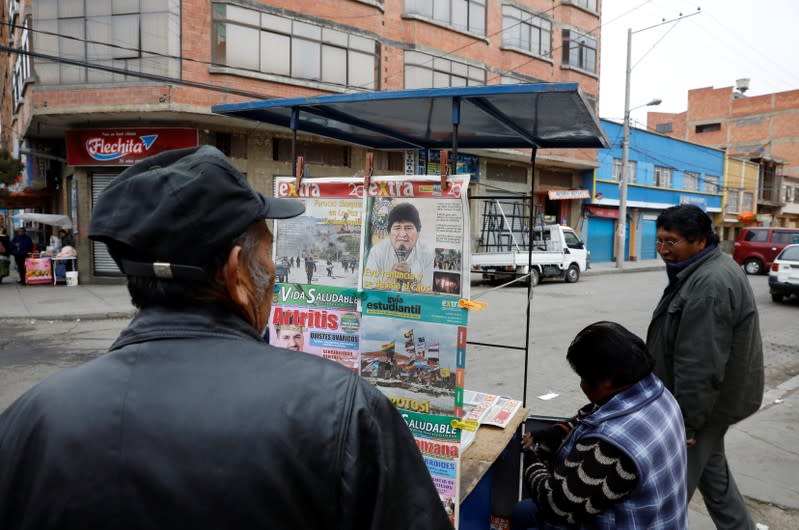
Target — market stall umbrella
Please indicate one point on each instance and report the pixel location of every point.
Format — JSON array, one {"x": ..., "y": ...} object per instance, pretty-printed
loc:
[{"x": 46, "y": 218}]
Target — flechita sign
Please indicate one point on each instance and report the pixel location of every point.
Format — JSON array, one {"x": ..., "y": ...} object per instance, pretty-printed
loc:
[{"x": 124, "y": 146}]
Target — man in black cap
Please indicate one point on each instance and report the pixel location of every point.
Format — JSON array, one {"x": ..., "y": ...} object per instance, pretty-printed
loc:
[
  {"x": 191, "y": 420},
  {"x": 401, "y": 262}
]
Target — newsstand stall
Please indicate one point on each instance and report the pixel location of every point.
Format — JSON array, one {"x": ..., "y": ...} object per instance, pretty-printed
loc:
[{"x": 528, "y": 116}]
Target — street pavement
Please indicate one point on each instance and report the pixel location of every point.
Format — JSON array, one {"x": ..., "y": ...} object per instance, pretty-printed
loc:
[{"x": 764, "y": 447}]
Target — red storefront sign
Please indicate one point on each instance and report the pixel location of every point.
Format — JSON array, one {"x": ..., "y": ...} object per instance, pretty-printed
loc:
[
  {"x": 124, "y": 147},
  {"x": 598, "y": 211}
]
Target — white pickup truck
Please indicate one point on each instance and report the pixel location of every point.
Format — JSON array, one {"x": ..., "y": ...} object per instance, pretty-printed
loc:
[{"x": 557, "y": 252}]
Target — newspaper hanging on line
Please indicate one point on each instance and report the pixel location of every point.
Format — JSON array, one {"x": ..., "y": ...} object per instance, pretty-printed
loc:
[
  {"x": 317, "y": 256},
  {"x": 416, "y": 236},
  {"x": 439, "y": 444},
  {"x": 414, "y": 350}
]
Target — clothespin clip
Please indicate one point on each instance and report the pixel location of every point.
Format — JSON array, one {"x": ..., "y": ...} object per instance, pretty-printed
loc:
[
  {"x": 472, "y": 305},
  {"x": 300, "y": 171},
  {"x": 369, "y": 169},
  {"x": 444, "y": 168},
  {"x": 464, "y": 425}
]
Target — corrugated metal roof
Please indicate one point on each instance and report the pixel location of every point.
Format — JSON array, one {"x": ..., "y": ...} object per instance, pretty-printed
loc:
[{"x": 547, "y": 115}]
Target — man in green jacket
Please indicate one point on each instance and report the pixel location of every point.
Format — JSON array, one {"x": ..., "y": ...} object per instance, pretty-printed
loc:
[{"x": 705, "y": 337}]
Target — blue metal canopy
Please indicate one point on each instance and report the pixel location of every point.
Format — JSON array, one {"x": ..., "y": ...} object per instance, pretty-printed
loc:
[{"x": 497, "y": 116}]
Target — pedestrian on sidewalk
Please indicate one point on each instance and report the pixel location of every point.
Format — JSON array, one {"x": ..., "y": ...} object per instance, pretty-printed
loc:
[
  {"x": 620, "y": 462},
  {"x": 191, "y": 420},
  {"x": 705, "y": 336},
  {"x": 21, "y": 246},
  {"x": 5, "y": 253}
]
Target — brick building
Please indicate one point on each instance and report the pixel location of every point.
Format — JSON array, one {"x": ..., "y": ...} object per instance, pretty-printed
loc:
[
  {"x": 761, "y": 129},
  {"x": 107, "y": 78}
]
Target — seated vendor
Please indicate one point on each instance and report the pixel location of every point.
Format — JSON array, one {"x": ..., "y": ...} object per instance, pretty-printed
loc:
[{"x": 621, "y": 461}]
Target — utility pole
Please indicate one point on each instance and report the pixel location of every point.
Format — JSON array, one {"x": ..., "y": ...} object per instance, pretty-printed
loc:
[{"x": 621, "y": 227}]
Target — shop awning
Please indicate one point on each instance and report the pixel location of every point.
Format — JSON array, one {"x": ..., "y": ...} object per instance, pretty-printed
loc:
[{"x": 544, "y": 115}]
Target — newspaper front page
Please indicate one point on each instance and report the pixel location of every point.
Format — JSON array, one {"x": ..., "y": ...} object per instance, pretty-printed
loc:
[{"x": 439, "y": 444}]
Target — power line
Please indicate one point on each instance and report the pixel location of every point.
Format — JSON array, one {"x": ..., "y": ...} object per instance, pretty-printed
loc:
[
  {"x": 143, "y": 75},
  {"x": 555, "y": 48},
  {"x": 153, "y": 54}
]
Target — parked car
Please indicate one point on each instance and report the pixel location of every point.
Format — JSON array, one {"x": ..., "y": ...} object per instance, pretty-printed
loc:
[
  {"x": 756, "y": 247},
  {"x": 783, "y": 277}
]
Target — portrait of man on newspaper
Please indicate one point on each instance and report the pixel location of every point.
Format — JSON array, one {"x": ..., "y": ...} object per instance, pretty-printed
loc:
[
  {"x": 400, "y": 262},
  {"x": 290, "y": 337}
]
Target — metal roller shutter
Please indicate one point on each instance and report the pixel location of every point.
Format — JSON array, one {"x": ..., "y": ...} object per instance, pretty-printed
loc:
[{"x": 103, "y": 264}]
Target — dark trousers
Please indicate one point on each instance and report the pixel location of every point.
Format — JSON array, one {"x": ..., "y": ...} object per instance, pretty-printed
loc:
[
  {"x": 708, "y": 470},
  {"x": 20, "y": 267},
  {"x": 524, "y": 516}
]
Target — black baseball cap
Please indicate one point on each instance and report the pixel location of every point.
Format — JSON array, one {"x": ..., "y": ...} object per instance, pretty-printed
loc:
[{"x": 169, "y": 215}]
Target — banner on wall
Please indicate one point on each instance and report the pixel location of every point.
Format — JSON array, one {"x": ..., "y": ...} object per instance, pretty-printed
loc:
[{"x": 121, "y": 146}]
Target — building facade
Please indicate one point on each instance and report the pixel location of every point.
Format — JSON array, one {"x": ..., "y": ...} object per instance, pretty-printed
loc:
[
  {"x": 762, "y": 129},
  {"x": 662, "y": 172},
  {"x": 93, "y": 84}
]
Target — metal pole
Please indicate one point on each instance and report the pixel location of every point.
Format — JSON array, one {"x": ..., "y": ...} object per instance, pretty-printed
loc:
[
  {"x": 293, "y": 124},
  {"x": 528, "y": 312},
  {"x": 456, "y": 120},
  {"x": 621, "y": 227}
]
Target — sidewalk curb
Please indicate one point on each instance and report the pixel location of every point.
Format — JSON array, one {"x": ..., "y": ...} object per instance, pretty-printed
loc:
[
  {"x": 645, "y": 268},
  {"x": 65, "y": 318}
]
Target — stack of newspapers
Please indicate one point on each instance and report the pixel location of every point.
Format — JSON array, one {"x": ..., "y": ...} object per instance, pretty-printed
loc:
[{"x": 486, "y": 409}]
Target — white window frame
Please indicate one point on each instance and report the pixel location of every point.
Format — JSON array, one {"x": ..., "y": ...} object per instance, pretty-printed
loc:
[
  {"x": 298, "y": 32},
  {"x": 691, "y": 180},
  {"x": 747, "y": 201},
  {"x": 516, "y": 22},
  {"x": 733, "y": 201},
  {"x": 441, "y": 67},
  {"x": 663, "y": 177},
  {"x": 583, "y": 45},
  {"x": 441, "y": 12},
  {"x": 632, "y": 170},
  {"x": 712, "y": 184}
]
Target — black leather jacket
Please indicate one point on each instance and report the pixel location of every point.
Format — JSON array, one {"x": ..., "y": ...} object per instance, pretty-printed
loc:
[{"x": 191, "y": 421}]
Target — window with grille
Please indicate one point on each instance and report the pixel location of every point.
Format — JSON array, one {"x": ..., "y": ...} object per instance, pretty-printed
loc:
[
  {"x": 589, "y": 5},
  {"x": 747, "y": 204},
  {"x": 579, "y": 50},
  {"x": 662, "y": 177},
  {"x": 632, "y": 169},
  {"x": 461, "y": 15},
  {"x": 127, "y": 35},
  {"x": 691, "y": 181},
  {"x": 427, "y": 71},
  {"x": 526, "y": 31},
  {"x": 733, "y": 196},
  {"x": 263, "y": 42},
  {"x": 312, "y": 152},
  {"x": 712, "y": 184}
]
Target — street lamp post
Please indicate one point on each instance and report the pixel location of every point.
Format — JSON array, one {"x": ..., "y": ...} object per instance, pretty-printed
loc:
[
  {"x": 621, "y": 228},
  {"x": 625, "y": 146}
]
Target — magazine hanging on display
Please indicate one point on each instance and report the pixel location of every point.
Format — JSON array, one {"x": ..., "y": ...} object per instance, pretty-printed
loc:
[
  {"x": 317, "y": 255},
  {"x": 439, "y": 443},
  {"x": 371, "y": 276},
  {"x": 416, "y": 235}
]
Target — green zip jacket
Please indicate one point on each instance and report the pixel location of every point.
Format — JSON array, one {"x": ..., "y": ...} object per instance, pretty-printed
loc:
[{"x": 705, "y": 337}]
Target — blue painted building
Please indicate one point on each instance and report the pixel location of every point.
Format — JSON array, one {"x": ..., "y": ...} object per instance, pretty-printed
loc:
[{"x": 662, "y": 171}]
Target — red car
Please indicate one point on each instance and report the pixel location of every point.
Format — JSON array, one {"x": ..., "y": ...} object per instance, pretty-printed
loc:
[{"x": 757, "y": 247}]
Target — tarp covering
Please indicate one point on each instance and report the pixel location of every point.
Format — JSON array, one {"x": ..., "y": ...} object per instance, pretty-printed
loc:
[
  {"x": 46, "y": 218},
  {"x": 499, "y": 116}
]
